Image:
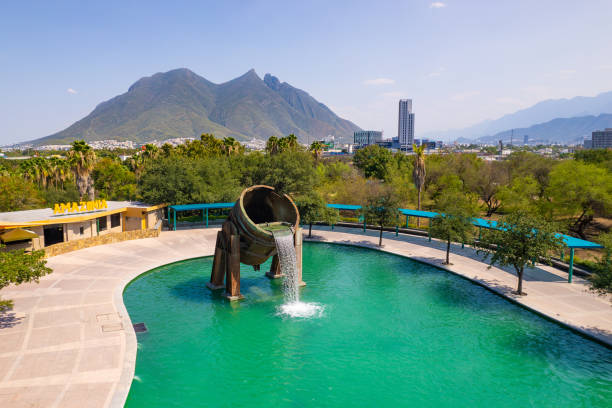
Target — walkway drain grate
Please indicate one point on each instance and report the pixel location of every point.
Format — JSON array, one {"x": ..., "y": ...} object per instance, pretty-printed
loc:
[{"x": 140, "y": 328}]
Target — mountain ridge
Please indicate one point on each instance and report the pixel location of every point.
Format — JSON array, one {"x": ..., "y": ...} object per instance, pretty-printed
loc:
[
  {"x": 562, "y": 130},
  {"x": 541, "y": 112},
  {"x": 180, "y": 103}
]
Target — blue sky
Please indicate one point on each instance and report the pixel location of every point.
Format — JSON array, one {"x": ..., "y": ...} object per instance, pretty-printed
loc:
[{"x": 460, "y": 61}]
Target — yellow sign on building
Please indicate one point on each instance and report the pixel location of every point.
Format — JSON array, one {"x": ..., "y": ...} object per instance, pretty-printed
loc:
[{"x": 82, "y": 206}]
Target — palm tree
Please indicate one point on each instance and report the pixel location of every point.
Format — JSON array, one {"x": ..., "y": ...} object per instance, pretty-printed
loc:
[
  {"x": 59, "y": 171},
  {"x": 272, "y": 145},
  {"x": 136, "y": 164},
  {"x": 292, "y": 141},
  {"x": 150, "y": 151},
  {"x": 82, "y": 159},
  {"x": 316, "y": 148},
  {"x": 230, "y": 146},
  {"x": 418, "y": 174}
]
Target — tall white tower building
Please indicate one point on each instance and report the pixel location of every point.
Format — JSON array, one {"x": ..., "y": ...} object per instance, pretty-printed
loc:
[{"x": 405, "y": 128}]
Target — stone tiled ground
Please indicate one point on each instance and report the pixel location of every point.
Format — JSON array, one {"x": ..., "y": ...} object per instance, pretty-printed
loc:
[{"x": 69, "y": 340}]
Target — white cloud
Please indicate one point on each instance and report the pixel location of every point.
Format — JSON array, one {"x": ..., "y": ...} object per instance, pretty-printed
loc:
[
  {"x": 604, "y": 67},
  {"x": 379, "y": 81},
  {"x": 464, "y": 95},
  {"x": 437, "y": 4},
  {"x": 71, "y": 91}
]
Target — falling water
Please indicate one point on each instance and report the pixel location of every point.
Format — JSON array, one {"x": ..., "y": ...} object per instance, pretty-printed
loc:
[
  {"x": 288, "y": 264},
  {"x": 291, "y": 285}
]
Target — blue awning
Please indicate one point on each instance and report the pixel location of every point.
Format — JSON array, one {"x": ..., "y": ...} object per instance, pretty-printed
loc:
[
  {"x": 187, "y": 207},
  {"x": 571, "y": 242},
  {"x": 344, "y": 206}
]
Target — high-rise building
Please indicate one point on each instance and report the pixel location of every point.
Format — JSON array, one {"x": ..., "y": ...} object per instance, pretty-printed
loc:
[
  {"x": 602, "y": 139},
  {"x": 405, "y": 127},
  {"x": 526, "y": 139},
  {"x": 365, "y": 138}
]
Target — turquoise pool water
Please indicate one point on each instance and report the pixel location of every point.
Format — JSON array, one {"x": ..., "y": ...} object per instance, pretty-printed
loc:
[{"x": 393, "y": 333}]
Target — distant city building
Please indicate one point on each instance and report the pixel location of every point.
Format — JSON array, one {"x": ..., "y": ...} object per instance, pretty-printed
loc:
[
  {"x": 365, "y": 138},
  {"x": 588, "y": 144},
  {"x": 405, "y": 127},
  {"x": 602, "y": 139},
  {"x": 526, "y": 139}
]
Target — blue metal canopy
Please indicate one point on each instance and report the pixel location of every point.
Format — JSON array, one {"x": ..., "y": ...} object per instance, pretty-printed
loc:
[
  {"x": 344, "y": 206},
  {"x": 571, "y": 242},
  {"x": 187, "y": 207}
]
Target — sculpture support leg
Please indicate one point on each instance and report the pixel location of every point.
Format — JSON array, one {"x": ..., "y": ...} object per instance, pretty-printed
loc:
[
  {"x": 298, "y": 255},
  {"x": 218, "y": 269},
  {"x": 275, "y": 269},
  {"x": 232, "y": 278}
]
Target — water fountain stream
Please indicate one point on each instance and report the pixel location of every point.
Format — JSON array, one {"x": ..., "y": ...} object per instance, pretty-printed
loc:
[{"x": 288, "y": 264}]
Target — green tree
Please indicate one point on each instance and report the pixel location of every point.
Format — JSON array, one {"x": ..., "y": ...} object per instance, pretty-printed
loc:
[
  {"x": 82, "y": 159},
  {"x": 290, "y": 172},
  {"x": 312, "y": 208},
  {"x": 520, "y": 238},
  {"x": 381, "y": 207},
  {"x": 17, "y": 267},
  {"x": 578, "y": 192},
  {"x": 272, "y": 145},
  {"x": 601, "y": 279},
  {"x": 113, "y": 180},
  {"x": 373, "y": 160},
  {"x": 418, "y": 174},
  {"x": 316, "y": 148},
  {"x": 487, "y": 179},
  {"x": 454, "y": 220},
  {"x": 521, "y": 193},
  {"x": 600, "y": 157},
  {"x": 231, "y": 146},
  {"x": 18, "y": 194}
]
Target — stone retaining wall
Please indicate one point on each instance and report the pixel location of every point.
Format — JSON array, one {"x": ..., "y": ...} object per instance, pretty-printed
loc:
[{"x": 109, "y": 238}]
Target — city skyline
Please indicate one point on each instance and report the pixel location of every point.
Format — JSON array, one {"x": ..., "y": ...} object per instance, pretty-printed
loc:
[{"x": 473, "y": 60}]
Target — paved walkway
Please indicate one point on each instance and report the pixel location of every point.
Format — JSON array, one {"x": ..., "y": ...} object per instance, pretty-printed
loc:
[{"x": 69, "y": 341}]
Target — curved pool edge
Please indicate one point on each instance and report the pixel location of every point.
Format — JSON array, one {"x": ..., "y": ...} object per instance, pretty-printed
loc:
[
  {"x": 122, "y": 388},
  {"x": 101, "y": 274},
  {"x": 349, "y": 238}
]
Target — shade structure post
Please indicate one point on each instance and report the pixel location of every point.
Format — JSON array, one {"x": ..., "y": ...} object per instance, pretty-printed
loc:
[
  {"x": 429, "y": 231},
  {"x": 407, "y": 218},
  {"x": 396, "y": 230},
  {"x": 571, "y": 266},
  {"x": 219, "y": 264},
  {"x": 364, "y": 224},
  {"x": 174, "y": 216},
  {"x": 232, "y": 277},
  {"x": 207, "y": 218}
]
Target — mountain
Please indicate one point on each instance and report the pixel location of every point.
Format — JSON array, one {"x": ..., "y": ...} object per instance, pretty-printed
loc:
[
  {"x": 180, "y": 103},
  {"x": 539, "y": 113},
  {"x": 561, "y": 130}
]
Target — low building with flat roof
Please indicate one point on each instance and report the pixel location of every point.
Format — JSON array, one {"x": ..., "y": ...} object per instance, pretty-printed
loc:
[{"x": 36, "y": 229}]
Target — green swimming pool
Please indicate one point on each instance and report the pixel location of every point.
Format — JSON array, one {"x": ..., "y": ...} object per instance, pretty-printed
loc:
[{"x": 393, "y": 332}]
